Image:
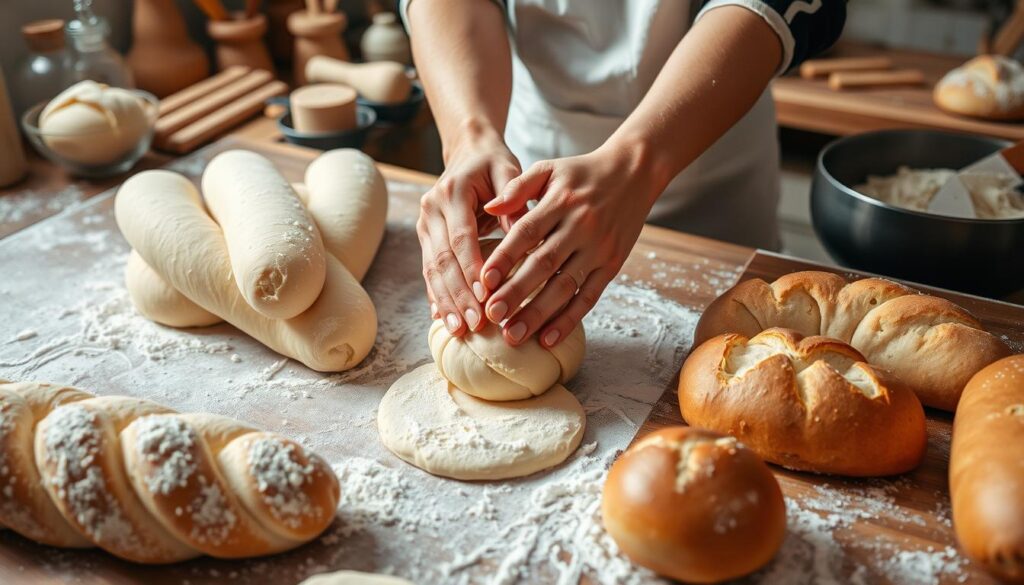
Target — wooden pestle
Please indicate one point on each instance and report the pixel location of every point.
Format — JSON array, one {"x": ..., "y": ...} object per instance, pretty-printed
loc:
[{"x": 379, "y": 81}]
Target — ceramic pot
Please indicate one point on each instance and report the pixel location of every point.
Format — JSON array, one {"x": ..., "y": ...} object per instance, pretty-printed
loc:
[
  {"x": 163, "y": 59},
  {"x": 385, "y": 40},
  {"x": 316, "y": 34},
  {"x": 240, "y": 42}
]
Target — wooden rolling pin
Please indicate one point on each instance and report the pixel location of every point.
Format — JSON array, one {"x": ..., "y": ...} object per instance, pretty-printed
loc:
[
  {"x": 861, "y": 79},
  {"x": 209, "y": 127},
  {"x": 198, "y": 90},
  {"x": 823, "y": 67},
  {"x": 208, "y": 104}
]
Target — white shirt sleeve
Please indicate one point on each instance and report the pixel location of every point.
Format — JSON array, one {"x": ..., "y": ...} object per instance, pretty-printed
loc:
[{"x": 773, "y": 18}]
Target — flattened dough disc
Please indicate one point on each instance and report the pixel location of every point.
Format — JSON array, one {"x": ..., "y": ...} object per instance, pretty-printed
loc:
[{"x": 440, "y": 429}]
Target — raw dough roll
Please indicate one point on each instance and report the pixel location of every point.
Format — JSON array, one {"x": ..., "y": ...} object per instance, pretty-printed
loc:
[
  {"x": 484, "y": 365},
  {"x": 348, "y": 199},
  {"x": 275, "y": 249},
  {"x": 354, "y": 578},
  {"x": 159, "y": 301},
  {"x": 161, "y": 216}
]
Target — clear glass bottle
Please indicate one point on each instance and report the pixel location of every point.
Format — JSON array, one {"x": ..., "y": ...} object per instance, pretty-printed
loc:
[
  {"x": 44, "y": 72},
  {"x": 93, "y": 58}
]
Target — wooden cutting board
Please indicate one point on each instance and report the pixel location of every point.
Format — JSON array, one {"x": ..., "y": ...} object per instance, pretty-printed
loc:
[{"x": 915, "y": 512}]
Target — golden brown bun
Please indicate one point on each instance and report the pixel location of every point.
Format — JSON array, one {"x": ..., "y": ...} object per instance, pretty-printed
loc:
[
  {"x": 990, "y": 87},
  {"x": 150, "y": 485},
  {"x": 810, "y": 404},
  {"x": 694, "y": 505},
  {"x": 986, "y": 469},
  {"x": 929, "y": 343}
]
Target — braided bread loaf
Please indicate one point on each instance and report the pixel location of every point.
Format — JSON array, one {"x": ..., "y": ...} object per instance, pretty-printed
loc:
[
  {"x": 150, "y": 485},
  {"x": 931, "y": 344}
]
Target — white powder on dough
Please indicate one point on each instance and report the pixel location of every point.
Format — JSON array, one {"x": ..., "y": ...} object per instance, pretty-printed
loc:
[{"x": 993, "y": 194}]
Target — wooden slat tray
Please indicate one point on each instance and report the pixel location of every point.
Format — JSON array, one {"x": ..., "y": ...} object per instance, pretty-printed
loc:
[{"x": 911, "y": 513}]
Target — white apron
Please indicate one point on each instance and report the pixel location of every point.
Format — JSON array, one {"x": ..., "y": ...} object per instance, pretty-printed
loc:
[{"x": 580, "y": 67}]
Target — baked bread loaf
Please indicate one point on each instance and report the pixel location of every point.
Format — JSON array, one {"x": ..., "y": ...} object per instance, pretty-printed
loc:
[
  {"x": 810, "y": 404},
  {"x": 986, "y": 469},
  {"x": 694, "y": 505},
  {"x": 930, "y": 344},
  {"x": 990, "y": 87},
  {"x": 149, "y": 485}
]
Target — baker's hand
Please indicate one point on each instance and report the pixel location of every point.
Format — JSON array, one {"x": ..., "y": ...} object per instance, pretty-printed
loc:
[
  {"x": 451, "y": 219},
  {"x": 589, "y": 215}
]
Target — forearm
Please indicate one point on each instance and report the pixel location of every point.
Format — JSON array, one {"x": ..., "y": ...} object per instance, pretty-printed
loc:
[
  {"x": 463, "y": 56},
  {"x": 713, "y": 77}
]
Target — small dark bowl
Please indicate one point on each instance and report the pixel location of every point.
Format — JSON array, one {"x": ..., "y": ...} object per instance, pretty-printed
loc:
[
  {"x": 972, "y": 255},
  {"x": 397, "y": 113},
  {"x": 354, "y": 138}
]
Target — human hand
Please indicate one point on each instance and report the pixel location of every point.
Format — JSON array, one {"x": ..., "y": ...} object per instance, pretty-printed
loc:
[
  {"x": 450, "y": 222},
  {"x": 589, "y": 215}
]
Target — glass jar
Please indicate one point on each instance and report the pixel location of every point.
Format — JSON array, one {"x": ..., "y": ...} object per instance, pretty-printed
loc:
[
  {"x": 92, "y": 56},
  {"x": 44, "y": 72}
]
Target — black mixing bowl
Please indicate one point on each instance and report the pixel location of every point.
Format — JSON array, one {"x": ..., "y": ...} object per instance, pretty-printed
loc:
[{"x": 983, "y": 257}]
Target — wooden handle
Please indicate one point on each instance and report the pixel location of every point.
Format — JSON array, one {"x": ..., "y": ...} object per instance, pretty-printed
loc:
[
  {"x": 823, "y": 67},
  {"x": 198, "y": 90},
  {"x": 852, "y": 79},
  {"x": 213, "y": 9},
  {"x": 330, "y": 5},
  {"x": 197, "y": 133},
  {"x": 1008, "y": 37},
  {"x": 208, "y": 104},
  {"x": 313, "y": 7}
]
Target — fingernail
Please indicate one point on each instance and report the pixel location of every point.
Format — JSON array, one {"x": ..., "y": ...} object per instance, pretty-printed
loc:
[
  {"x": 493, "y": 203},
  {"x": 453, "y": 322},
  {"x": 492, "y": 278},
  {"x": 433, "y": 311},
  {"x": 551, "y": 338},
  {"x": 472, "y": 318},
  {"x": 497, "y": 311},
  {"x": 517, "y": 331},
  {"x": 478, "y": 290}
]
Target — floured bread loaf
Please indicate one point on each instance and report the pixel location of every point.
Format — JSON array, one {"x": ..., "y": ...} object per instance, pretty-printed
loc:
[
  {"x": 150, "y": 485},
  {"x": 810, "y": 404},
  {"x": 988, "y": 86}
]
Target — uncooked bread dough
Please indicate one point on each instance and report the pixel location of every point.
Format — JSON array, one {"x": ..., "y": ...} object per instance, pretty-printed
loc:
[
  {"x": 159, "y": 301},
  {"x": 354, "y": 578},
  {"x": 277, "y": 255},
  {"x": 93, "y": 124},
  {"x": 431, "y": 424},
  {"x": 162, "y": 217},
  {"x": 484, "y": 365},
  {"x": 992, "y": 194}
]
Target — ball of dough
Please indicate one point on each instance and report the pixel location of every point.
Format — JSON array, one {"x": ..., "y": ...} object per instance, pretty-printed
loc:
[
  {"x": 694, "y": 505},
  {"x": 354, "y": 578},
  {"x": 93, "y": 124},
  {"x": 484, "y": 365},
  {"x": 431, "y": 424}
]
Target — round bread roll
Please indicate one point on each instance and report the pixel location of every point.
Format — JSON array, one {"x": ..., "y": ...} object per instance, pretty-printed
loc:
[
  {"x": 93, "y": 124},
  {"x": 810, "y": 404},
  {"x": 986, "y": 469},
  {"x": 694, "y": 505},
  {"x": 484, "y": 365},
  {"x": 930, "y": 344},
  {"x": 990, "y": 87}
]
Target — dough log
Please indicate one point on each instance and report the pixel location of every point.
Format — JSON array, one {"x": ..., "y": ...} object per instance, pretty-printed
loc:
[
  {"x": 161, "y": 216},
  {"x": 159, "y": 301},
  {"x": 277, "y": 255},
  {"x": 150, "y": 485}
]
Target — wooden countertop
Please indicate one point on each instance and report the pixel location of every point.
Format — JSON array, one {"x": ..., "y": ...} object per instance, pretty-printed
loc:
[{"x": 811, "y": 105}]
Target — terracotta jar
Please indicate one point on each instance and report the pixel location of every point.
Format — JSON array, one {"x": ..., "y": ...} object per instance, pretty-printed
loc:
[
  {"x": 240, "y": 42},
  {"x": 316, "y": 34},
  {"x": 12, "y": 164},
  {"x": 385, "y": 40},
  {"x": 163, "y": 58},
  {"x": 279, "y": 38}
]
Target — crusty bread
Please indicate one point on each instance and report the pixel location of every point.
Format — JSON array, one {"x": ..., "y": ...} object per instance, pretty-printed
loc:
[
  {"x": 694, "y": 505},
  {"x": 150, "y": 485},
  {"x": 810, "y": 404},
  {"x": 989, "y": 87},
  {"x": 931, "y": 344},
  {"x": 986, "y": 469}
]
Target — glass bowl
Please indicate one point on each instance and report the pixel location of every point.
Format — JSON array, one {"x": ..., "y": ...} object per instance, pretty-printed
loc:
[{"x": 60, "y": 147}]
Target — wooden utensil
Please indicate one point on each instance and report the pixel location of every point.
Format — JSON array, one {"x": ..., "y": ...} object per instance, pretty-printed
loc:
[
  {"x": 1009, "y": 36},
  {"x": 204, "y": 87},
  {"x": 823, "y": 67},
  {"x": 313, "y": 7},
  {"x": 205, "y": 129},
  {"x": 213, "y": 9},
  {"x": 251, "y": 8},
  {"x": 861, "y": 79},
  {"x": 208, "y": 104}
]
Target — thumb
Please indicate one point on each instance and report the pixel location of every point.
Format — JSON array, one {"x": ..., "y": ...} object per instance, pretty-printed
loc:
[{"x": 527, "y": 186}]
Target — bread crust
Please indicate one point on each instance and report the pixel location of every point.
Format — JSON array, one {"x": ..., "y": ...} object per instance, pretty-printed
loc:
[
  {"x": 990, "y": 87},
  {"x": 986, "y": 469},
  {"x": 694, "y": 505},
  {"x": 805, "y": 403},
  {"x": 929, "y": 343}
]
